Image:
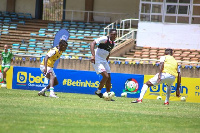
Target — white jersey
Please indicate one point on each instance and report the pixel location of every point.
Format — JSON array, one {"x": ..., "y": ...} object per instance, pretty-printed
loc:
[{"x": 101, "y": 54}]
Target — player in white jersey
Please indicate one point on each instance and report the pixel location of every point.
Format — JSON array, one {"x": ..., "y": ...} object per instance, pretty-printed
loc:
[{"x": 100, "y": 58}]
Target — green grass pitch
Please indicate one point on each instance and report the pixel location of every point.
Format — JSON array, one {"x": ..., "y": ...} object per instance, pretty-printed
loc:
[{"x": 23, "y": 111}]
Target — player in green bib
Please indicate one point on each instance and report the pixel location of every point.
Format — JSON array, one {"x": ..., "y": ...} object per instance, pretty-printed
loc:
[{"x": 6, "y": 60}]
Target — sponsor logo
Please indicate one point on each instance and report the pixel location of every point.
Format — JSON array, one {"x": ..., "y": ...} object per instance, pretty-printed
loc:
[
  {"x": 131, "y": 86},
  {"x": 80, "y": 83},
  {"x": 24, "y": 78}
]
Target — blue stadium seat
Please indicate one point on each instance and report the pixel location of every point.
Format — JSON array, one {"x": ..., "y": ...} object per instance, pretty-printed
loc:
[
  {"x": 72, "y": 37},
  {"x": 41, "y": 31},
  {"x": 22, "y": 48},
  {"x": 32, "y": 45},
  {"x": 48, "y": 46},
  {"x": 41, "y": 34},
  {"x": 39, "y": 52},
  {"x": 76, "y": 51},
  {"x": 15, "y": 44},
  {"x": 85, "y": 46},
  {"x": 15, "y": 47},
  {"x": 24, "y": 45},
  {"x": 33, "y": 34},
  {"x": 83, "y": 42},
  {"x": 68, "y": 50},
  {"x": 30, "y": 48},
  {"x": 81, "y": 31},
  {"x": 80, "y": 37},
  {"x": 32, "y": 40}
]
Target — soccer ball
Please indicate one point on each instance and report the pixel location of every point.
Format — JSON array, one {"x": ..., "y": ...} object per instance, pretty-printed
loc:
[
  {"x": 107, "y": 96},
  {"x": 124, "y": 94},
  {"x": 159, "y": 98},
  {"x": 112, "y": 94},
  {"x": 3, "y": 86},
  {"x": 183, "y": 99}
]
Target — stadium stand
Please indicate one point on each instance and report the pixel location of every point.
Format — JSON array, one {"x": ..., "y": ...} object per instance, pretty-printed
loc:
[
  {"x": 28, "y": 36},
  {"x": 34, "y": 37}
]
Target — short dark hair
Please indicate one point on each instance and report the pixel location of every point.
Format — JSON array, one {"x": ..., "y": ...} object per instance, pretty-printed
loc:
[
  {"x": 168, "y": 51},
  {"x": 113, "y": 30},
  {"x": 63, "y": 42}
]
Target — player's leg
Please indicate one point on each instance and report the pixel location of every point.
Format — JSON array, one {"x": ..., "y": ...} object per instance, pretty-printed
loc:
[
  {"x": 148, "y": 84},
  {"x": 52, "y": 83},
  {"x": 169, "y": 79},
  {"x": 100, "y": 69},
  {"x": 168, "y": 92},
  {"x": 4, "y": 73},
  {"x": 108, "y": 83},
  {"x": 102, "y": 83}
]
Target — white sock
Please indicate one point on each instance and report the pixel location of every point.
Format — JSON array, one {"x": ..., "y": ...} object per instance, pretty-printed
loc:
[
  {"x": 44, "y": 89},
  {"x": 168, "y": 92},
  {"x": 143, "y": 91},
  {"x": 98, "y": 91},
  {"x": 51, "y": 91}
]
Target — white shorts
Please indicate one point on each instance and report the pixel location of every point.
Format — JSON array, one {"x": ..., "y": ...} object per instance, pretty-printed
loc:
[
  {"x": 49, "y": 70},
  {"x": 101, "y": 67},
  {"x": 165, "y": 78}
]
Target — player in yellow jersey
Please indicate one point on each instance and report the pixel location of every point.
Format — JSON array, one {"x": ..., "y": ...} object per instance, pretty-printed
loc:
[
  {"x": 169, "y": 70},
  {"x": 47, "y": 67}
]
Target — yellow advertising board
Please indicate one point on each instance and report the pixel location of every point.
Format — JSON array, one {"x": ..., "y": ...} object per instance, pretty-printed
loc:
[
  {"x": 190, "y": 89},
  {"x": 9, "y": 77}
]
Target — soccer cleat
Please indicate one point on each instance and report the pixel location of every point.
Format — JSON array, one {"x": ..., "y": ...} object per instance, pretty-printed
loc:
[
  {"x": 53, "y": 95},
  {"x": 137, "y": 101},
  {"x": 166, "y": 103},
  {"x": 99, "y": 94},
  {"x": 42, "y": 93}
]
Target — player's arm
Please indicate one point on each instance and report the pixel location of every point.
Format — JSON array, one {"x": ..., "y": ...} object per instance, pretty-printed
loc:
[
  {"x": 160, "y": 71},
  {"x": 92, "y": 45},
  {"x": 11, "y": 56},
  {"x": 45, "y": 63},
  {"x": 162, "y": 60},
  {"x": 108, "y": 57},
  {"x": 178, "y": 83}
]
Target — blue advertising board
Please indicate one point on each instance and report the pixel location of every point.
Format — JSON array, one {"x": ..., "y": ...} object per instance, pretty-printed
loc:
[{"x": 76, "y": 81}]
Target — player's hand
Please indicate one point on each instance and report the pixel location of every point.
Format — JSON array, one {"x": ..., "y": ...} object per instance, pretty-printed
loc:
[
  {"x": 93, "y": 59},
  {"x": 45, "y": 71}
]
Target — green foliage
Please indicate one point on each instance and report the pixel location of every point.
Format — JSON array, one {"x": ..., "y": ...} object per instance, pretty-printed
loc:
[{"x": 23, "y": 111}]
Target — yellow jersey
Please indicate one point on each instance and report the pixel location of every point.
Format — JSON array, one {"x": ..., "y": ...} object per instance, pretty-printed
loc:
[
  {"x": 53, "y": 54},
  {"x": 170, "y": 65}
]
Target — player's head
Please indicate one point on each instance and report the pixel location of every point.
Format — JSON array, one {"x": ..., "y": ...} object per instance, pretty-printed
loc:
[
  {"x": 6, "y": 48},
  {"x": 168, "y": 51},
  {"x": 113, "y": 34},
  {"x": 63, "y": 45}
]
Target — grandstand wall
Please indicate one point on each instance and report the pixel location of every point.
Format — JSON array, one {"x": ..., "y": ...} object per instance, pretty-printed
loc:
[
  {"x": 112, "y": 6},
  {"x": 25, "y": 6},
  {"x": 3, "y": 4}
]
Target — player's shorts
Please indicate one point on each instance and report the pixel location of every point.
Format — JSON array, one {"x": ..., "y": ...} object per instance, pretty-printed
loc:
[
  {"x": 101, "y": 67},
  {"x": 3, "y": 67},
  {"x": 49, "y": 70},
  {"x": 165, "y": 78}
]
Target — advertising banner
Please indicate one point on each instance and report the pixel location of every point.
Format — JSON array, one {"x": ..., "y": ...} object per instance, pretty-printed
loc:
[
  {"x": 189, "y": 89},
  {"x": 75, "y": 81}
]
